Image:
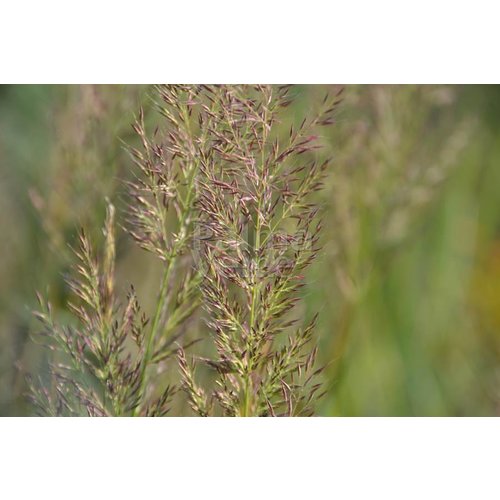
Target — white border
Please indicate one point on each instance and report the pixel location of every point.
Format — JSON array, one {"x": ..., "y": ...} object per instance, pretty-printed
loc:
[
  {"x": 364, "y": 458},
  {"x": 355, "y": 41}
]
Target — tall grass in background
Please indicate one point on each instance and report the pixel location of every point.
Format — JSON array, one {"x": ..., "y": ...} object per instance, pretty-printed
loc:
[{"x": 406, "y": 284}]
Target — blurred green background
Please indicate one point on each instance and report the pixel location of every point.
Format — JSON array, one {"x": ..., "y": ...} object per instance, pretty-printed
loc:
[{"x": 408, "y": 284}]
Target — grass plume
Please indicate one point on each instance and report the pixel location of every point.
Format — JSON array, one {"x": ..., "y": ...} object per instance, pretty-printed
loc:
[
  {"x": 223, "y": 199},
  {"x": 260, "y": 232}
]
